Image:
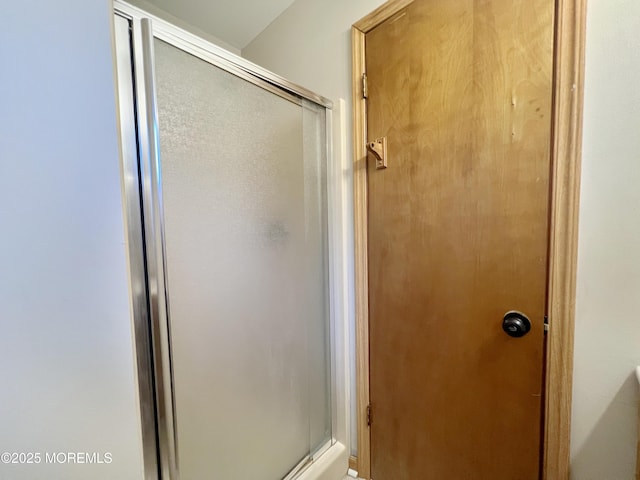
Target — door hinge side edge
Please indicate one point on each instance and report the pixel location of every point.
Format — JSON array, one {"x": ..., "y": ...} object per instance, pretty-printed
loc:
[
  {"x": 365, "y": 86},
  {"x": 546, "y": 323},
  {"x": 369, "y": 415}
]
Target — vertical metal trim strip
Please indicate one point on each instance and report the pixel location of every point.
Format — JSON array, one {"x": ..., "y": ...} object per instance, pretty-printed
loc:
[
  {"x": 331, "y": 224},
  {"x": 135, "y": 243},
  {"x": 150, "y": 170}
]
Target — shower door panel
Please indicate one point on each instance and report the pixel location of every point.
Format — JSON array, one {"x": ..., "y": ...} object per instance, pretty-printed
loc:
[{"x": 243, "y": 190}]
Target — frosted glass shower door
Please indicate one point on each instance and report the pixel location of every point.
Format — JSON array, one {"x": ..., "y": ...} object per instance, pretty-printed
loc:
[{"x": 243, "y": 186}]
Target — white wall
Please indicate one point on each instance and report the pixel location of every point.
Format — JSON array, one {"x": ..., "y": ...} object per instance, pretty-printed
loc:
[
  {"x": 310, "y": 44},
  {"x": 179, "y": 22},
  {"x": 607, "y": 343},
  {"x": 66, "y": 359}
]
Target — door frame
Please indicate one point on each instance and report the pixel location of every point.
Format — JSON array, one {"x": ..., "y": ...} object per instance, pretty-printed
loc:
[{"x": 566, "y": 143}]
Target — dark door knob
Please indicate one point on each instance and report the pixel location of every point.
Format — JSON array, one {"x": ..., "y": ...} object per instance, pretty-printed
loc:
[{"x": 516, "y": 324}]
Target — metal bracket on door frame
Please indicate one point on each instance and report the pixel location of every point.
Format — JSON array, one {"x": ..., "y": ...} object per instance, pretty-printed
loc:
[{"x": 379, "y": 149}]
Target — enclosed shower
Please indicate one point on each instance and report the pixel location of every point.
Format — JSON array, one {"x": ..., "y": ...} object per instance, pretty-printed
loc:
[{"x": 225, "y": 171}]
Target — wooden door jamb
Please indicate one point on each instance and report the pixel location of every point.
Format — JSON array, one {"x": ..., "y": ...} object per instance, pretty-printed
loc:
[{"x": 566, "y": 143}]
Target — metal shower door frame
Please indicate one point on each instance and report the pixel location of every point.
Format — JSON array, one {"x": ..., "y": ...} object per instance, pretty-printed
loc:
[{"x": 142, "y": 187}]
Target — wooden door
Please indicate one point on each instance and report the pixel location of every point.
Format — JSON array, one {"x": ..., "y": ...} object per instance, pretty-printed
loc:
[{"x": 458, "y": 236}]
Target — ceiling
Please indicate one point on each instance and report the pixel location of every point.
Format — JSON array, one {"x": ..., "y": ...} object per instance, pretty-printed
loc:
[{"x": 236, "y": 22}]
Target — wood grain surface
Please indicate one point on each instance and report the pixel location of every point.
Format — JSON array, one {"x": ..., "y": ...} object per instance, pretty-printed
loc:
[{"x": 457, "y": 236}]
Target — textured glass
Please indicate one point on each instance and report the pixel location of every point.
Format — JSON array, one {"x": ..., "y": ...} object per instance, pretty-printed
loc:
[{"x": 243, "y": 173}]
